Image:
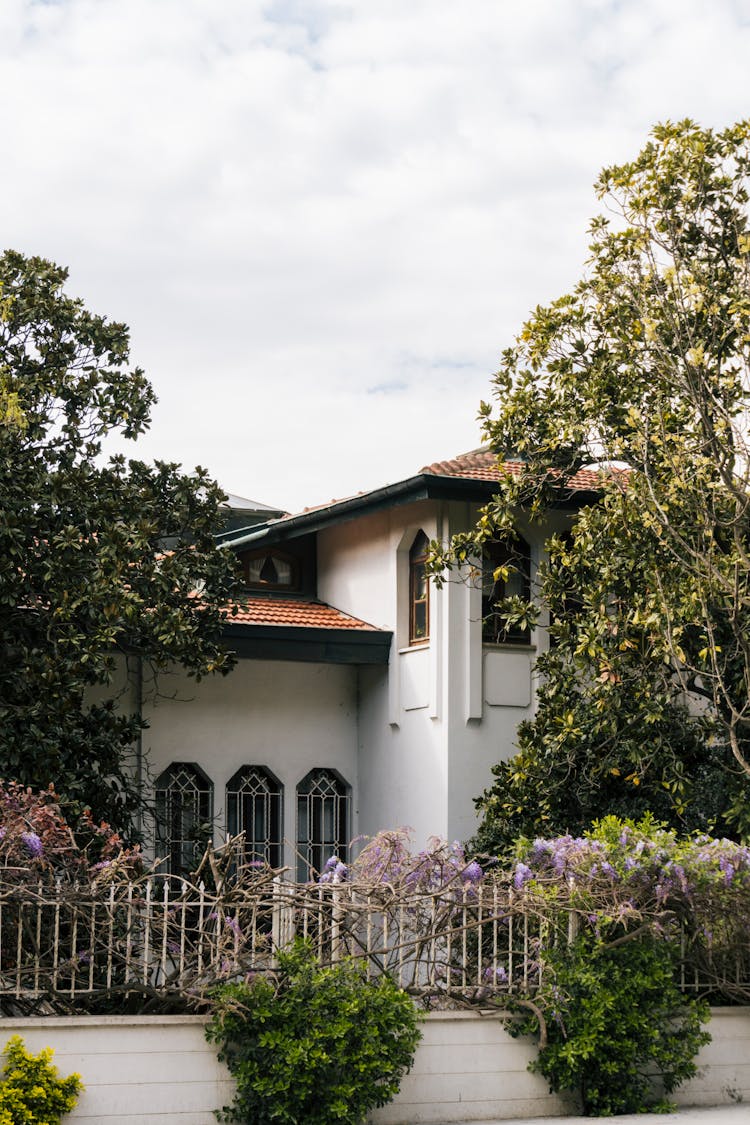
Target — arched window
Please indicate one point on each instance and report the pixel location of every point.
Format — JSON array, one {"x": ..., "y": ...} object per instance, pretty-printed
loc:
[
  {"x": 254, "y": 806},
  {"x": 184, "y": 816},
  {"x": 322, "y": 821},
  {"x": 419, "y": 591},
  {"x": 513, "y": 556}
]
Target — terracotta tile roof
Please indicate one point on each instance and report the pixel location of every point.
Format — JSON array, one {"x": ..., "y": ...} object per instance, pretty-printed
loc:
[
  {"x": 481, "y": 464},
  {"x": 294, "y": 611}
]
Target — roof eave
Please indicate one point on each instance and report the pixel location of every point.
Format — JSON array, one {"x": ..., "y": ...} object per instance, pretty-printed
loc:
[
  {"x": 423, "y": 486},
  {"x": 308, "y": 645}
]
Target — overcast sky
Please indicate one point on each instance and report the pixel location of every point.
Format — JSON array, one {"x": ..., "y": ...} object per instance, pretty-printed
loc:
[{"x": 324, "y": 221}]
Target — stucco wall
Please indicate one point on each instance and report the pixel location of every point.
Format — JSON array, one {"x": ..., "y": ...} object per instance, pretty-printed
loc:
[
  {"x": 146, "y": 1070},
  {"x": 288, "y": 716},
  {"x": 160, "y": 1071},
  {"x": 429, "y": 732}
]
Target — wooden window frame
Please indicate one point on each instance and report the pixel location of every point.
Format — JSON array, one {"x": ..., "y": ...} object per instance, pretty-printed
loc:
[{"x": 417, "y": 559}]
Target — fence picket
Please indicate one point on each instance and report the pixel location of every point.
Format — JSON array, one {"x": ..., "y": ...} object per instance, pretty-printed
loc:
[{"x": 62, "y": 939}]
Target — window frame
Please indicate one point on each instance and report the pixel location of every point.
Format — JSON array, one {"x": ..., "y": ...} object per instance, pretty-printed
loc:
[
  {"x": 166, "y": 814},
  {"x": 269, "y": 849},
  {"x": 311, "y": 857},
  {"x": 417, "y": 562},
  {"x": 272, "y": 553},
  {"x": 514, "y": 552}
]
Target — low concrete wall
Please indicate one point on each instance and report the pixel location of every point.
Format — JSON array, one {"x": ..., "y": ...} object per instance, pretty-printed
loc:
[
  {"x": 468, "y": 1068},
  {"x": 159, "y": 1070},
  {"x": 724, "y": 1063},
  {"x": 139, "y": 1070}
]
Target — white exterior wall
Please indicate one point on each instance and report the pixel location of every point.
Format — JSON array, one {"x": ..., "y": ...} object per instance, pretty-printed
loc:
[
  {"x": 144, "y": 1070},
  {"x": 468, "y": 1068},
  {"x": 159, "y": 1070},
  {"x": 491, "y": 688},
  {"x": 416, "y": 741},
  {"x": 288, "y": 716},
  {"x": 429, "y": 732},
  {"x": 403, "y": 766}
]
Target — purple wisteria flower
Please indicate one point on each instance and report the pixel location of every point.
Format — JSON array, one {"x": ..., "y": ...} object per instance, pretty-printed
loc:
[
  {"x": 521, "y": 875},
  {"x": 334, "y": 871},
  {"x": 32, "y": 843},
  {"x": 727, "y": 869},
  {"x": 498, "y": 975},
  {"x": 473, "y": 873}
]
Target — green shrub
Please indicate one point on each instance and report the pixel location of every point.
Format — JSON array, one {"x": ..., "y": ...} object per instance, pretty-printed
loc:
[
  {"x": 615, "y": 1022},
  {"x": 32, "y": 1091},
  {"x": 318, "y": 1045}
]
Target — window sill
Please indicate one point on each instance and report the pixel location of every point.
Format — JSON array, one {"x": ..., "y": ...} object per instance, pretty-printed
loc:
[
  {"x": 507, "y": 646},
  {"x": 415, "y": 648}
]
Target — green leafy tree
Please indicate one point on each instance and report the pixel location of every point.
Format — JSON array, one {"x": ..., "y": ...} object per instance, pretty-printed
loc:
[
  {"x": 645, "y": 365},
  {"x": 85, "y": 576}
]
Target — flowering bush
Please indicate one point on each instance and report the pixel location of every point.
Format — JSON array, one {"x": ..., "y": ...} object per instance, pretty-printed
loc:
[
  {"x": 652, "y": 862},
  {"x": 37, "y": 841},
  {"x": 31, "y": 1090},
  {"x": 387, "y": 860},
  {"x": 622, "y": 875},
  {"x": 609, "y": 1013}
]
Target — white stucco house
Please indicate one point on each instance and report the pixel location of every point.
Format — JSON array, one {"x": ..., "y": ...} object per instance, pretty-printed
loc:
[{"x": 363, "y": 697}]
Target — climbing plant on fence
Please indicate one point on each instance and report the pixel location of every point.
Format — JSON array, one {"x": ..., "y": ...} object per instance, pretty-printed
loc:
[
  {"x": 652, "y": 917},
  {"x": 84, "y": 923}
]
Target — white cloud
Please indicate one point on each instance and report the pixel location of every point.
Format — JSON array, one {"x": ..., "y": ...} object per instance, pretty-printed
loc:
[{"x": 293, "y": 203}]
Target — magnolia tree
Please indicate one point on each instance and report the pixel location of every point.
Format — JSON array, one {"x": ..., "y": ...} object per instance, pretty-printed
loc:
[
  {"x": 86, "y": 583},
  {"x": 645, "y": 365}
]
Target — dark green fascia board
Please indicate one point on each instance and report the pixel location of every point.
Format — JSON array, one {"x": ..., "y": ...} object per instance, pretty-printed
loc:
[
  {"x": 223, "y": 537},
  {"x": 424, "y": 486},
  {"x": 318, "y": 646}
]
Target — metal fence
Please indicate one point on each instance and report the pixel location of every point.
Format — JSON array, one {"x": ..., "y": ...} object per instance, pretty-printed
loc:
[{"x": 74, "y": 945}]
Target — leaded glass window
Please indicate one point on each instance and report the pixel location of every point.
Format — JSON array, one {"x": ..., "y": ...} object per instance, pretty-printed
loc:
[
  {"x": 184, "y": 816},
  {"x": 254, "y": 807},
  {"x": 323, "y": 801}
]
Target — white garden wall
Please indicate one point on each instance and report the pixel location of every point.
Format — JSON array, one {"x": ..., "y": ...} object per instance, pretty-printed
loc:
[
  {"x": 468, "y": 1068},
  {"x": 139, "y": 1070},
  {"x": 157, "y": 1070}
]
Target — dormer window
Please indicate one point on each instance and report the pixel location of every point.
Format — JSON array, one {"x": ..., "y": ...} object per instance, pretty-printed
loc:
[
  {"x": 419, "y": 591},
  {"x": 271, "y": 570}
]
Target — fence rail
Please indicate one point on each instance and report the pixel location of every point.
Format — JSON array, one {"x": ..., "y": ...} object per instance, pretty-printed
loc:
[{"x": 71, "y": 945}]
